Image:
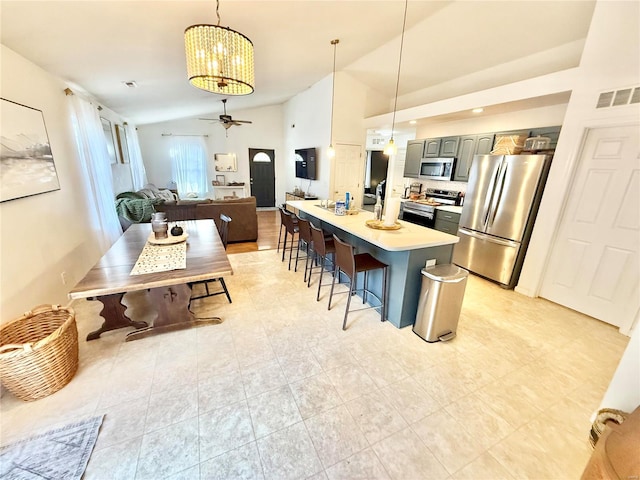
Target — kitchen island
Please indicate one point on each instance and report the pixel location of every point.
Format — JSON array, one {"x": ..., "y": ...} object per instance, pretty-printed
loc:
[{"x": 405, "y": 250}]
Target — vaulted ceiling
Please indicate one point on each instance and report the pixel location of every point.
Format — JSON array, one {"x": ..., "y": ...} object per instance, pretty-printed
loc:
[{"x": 99, "y": 45}]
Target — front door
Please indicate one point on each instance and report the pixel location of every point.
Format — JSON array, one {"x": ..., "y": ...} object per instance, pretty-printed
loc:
[
  {"x": 348, "y": 172},
  {"x": 263, "y": 177},
  {"x": 594, "y": 265}
]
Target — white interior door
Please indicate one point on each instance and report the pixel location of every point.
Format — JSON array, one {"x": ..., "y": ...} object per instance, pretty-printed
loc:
[
  {"x": 594, "y": 265},
  {"x": 348, "y": 172}
]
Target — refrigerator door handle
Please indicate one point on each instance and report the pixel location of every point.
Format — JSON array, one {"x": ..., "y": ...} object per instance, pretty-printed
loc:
[
  {"x": 498, "y": 197},
  {"x": 489, "y": 200},
  {"x": 489, "y": 238}
]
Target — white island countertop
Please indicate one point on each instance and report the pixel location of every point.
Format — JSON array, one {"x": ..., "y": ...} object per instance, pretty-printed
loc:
[{"x": 409, "y": 237}]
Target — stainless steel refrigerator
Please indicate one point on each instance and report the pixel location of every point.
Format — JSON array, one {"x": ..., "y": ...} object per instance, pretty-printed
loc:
[{"x": 500, "y": 208}]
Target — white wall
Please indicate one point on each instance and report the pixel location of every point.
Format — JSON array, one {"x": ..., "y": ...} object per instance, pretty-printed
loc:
[
  {"x": 624, "y": 390},
  {"x": 351, "y": 98},
  {"x": 265, "y": 132},
  {"x": 306, "y": 124},
  {"x": 531, "y": 118},
  {"x": 43, "y": 235},
  {"x": 611, "y": 60}
]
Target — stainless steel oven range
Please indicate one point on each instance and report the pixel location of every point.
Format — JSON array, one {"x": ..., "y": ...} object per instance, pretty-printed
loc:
[{"x": 423, "y": 212}]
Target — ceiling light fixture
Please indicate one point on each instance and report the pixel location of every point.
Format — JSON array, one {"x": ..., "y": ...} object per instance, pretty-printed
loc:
[
  {"x": 412, "y": 122},
  {"x": 478, "y": 110},
  {"x": 391, "y": 148},
  {"x": 331, "y": 152},
  {"x": 219, "y": 59}
]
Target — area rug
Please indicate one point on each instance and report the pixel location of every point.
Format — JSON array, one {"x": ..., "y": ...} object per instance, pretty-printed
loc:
[{"x": 59, "y": 454}]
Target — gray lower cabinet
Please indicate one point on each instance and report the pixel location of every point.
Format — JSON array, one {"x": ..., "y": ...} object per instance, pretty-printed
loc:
[
  {"x": 447, "y": 221},
  {"x": 415, "y": 149}
]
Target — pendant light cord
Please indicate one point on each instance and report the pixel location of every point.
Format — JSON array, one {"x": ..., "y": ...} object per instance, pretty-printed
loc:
[
  {"x": 395, "y": 103},
  {"x": 218, "y": 11},
  {"x": 333, "y": 85}
]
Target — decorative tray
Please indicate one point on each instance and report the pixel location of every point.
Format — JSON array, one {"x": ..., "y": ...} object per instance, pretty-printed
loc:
[
  {"x": 167, "y": 241},
  {"x": 379, "y": 225}
]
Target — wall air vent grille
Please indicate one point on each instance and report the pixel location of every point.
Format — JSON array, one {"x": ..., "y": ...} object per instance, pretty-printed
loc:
[
  {"x": 624, "y": 96},
  {"x": 604, "y": 100}
]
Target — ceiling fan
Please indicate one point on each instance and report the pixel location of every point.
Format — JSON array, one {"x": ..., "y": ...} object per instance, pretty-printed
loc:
[{"x": 226, "y": 120}]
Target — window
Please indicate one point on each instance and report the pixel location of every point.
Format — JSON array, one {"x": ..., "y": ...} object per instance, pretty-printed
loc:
[{"x": 189, "y": 165}]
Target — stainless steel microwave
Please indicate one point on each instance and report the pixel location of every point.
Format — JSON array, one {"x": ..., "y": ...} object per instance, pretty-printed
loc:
[{"x": 437, "y": 168}]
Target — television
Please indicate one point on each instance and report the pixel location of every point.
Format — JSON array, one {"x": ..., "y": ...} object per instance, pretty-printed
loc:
[{"x": 305, "y": 163}]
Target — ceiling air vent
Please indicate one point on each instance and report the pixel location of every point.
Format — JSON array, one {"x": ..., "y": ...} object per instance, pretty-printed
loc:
[{"x": 624, "y": 96}]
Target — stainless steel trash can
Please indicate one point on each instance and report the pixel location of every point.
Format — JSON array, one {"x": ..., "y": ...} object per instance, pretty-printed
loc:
[{"x": 440, "y": 302}]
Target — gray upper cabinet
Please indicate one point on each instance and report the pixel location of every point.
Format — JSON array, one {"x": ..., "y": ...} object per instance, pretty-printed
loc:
[
  {"x": 466, "y": 149},
  {"x": 415, "y": 149},
  {"x": 449, "y": 146},
  {"x": 551, "y": 132},
  {"x": 469, "y": 146},
  {"x": 432, "y": 147},
  {"x": 484, "y": 144}
]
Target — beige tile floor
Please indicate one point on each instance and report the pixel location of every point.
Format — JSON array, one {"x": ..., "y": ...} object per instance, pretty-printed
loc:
[{"x": 278, "y": 391}]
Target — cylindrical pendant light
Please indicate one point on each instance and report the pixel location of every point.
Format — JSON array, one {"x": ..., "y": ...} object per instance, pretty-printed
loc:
[
  {"x": 331, "y": 151},
  {"x": 391, "y": 148},
  {"x": 219, "y": 59}
]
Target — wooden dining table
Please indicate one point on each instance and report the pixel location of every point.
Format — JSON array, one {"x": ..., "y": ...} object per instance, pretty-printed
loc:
[{"x": 110, "y": 279}]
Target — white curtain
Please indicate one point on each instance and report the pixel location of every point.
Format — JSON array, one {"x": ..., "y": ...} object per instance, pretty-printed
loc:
[
  {"x": 138, "y": 173},
  {"x": 189, "y": 165},
  {"x": 96, "y": 171}
]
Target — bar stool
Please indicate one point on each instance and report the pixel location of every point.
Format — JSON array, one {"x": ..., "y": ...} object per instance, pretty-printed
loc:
[
  {"x": 291, "y": 228},
  {"x": 304, "y": 237},
  {"x": 351, "y": 264},
  {"x": 321, "y": 247},
  {"x": 283, "y": 211}
]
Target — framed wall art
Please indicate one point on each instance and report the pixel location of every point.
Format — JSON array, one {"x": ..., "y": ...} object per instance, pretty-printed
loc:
[
  {"x": 121, "y": 135},
  {"x": 26, "y": 161},
  {"x": 225, "y": 162},
  {"x": 108, "y": 136}
]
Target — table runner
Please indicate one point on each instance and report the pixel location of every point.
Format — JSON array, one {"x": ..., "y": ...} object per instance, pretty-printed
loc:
[{"x": 161, "y": 258}]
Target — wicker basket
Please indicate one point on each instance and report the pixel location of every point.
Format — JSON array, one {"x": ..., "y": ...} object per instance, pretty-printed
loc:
[{"x": 39, "y": 352}]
